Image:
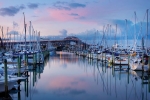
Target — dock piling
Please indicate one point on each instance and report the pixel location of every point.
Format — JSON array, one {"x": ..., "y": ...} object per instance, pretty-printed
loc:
[
  {"x": 19, "y": 65},
  {"x": 6, "y": 79}
]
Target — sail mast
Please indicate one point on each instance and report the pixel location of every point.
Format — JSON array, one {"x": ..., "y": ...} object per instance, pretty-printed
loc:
[
  {"x": 147, "y": 33},
  {"x": 126, "y": 35},
  {"x": 25, "y": 32},
  {"x": 147, "y": 22},
  {"x": 147, "y": 26},
  {"x": 135, "y": 32},
  {"x": 115, "y": 35}
]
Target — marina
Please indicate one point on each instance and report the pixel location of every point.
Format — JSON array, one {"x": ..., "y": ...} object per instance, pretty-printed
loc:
[
  {"x": 75, "y": 50},
  {"x": 67, "y": 76}
]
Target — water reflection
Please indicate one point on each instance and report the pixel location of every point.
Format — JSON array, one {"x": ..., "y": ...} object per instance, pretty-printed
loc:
[{"x": 70, "y": 77}]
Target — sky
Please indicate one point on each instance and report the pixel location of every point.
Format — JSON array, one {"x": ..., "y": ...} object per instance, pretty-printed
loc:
[{"x": 73, "y": 17}]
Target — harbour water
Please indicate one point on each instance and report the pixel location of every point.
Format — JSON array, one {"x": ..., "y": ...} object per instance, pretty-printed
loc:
[{"x": 66, "y": 76}]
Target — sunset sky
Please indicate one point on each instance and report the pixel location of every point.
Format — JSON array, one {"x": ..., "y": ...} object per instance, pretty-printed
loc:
[{"x": 64, "y": 17}]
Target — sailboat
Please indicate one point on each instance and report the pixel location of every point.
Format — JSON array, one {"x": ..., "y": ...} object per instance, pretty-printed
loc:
[{"x": 137, "y": 62}]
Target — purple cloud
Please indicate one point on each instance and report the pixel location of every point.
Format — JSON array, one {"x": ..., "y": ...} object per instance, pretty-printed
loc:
[
  {"x": 33, "y": 5},
  {"x": 11, "y": 11},
  {"x": 76, "y": 5},
  {"x": 68, "y": 6}
]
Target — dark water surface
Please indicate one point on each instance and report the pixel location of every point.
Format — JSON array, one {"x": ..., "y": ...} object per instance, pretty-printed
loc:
[{"x": 66, "y": 76}]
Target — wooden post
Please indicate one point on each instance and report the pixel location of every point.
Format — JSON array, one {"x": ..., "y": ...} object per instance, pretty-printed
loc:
[
  {"x": 33, "y": 76},
  {"x": 27, "y": 59},
  {"x": 27, "y": 84},
  {"x": 19, "y": 96},
  {"x": 149, "y": 73},
  {"x": 6, "y": 79},
  {"x": 19, "y": 65},
  {"x": 149, "y": 83},
  {"x": 35, "y": 58},
  {"x": 149, "y": 64},
  {"x": 128, "y": 76}
]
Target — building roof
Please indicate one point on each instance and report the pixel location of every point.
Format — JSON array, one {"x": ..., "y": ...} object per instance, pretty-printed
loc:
[{"x": 72, "y": 38}]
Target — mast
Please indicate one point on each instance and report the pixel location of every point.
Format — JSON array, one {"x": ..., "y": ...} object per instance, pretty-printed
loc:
[
  {"x": 30, "y": 34},
  {"x": 36, "y": 40},
  {"x": 110, "y": 35},
  {"x": 147, "y": 30},
  {"x": 115, "y": 35},
  {"x": 126, "y": 35},
  {"x": 142, "y": 44},
  {"x": 7, "y": 37},
  {"x": 135, "y": 32},
  {"x": 147, "y": 22},
  {"x": 2, "y": 33},
  {"x": 147, "y": 26},
  {"x": 10, "y": 42},
  {"x": 25, "y": 32}
]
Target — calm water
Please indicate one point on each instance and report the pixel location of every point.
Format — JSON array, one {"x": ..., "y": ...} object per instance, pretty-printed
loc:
[{"x": 69, "y": 77}]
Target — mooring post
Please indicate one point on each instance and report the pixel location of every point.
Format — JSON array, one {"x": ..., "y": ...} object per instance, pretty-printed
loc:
[
  {"x": 27, "y": 59},
  {"x": 6, "y": 79},
  {"x": 149, "y": 64},
  {"x": 19, "y": 96},
  {"x": 19, "y": 65},
  {"x": 149, "y": 73},
  {"x": 128, "y": 75},
  {"x": 35, "y": 58},
  {"x": 27, "y": 84},
  {"x": 149, "y": 83},
  {"x": 33, "y": 76}
]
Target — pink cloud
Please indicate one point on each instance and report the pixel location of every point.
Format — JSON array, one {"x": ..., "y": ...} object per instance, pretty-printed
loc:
[
  {"x": 65, "y": 16},
  {"x": 60, "y": 15}
]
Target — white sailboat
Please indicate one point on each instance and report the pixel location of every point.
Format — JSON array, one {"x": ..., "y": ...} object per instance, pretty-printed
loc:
[
  {"x": 11, "y": 80},
  {"x": 137, "y": 62}
]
